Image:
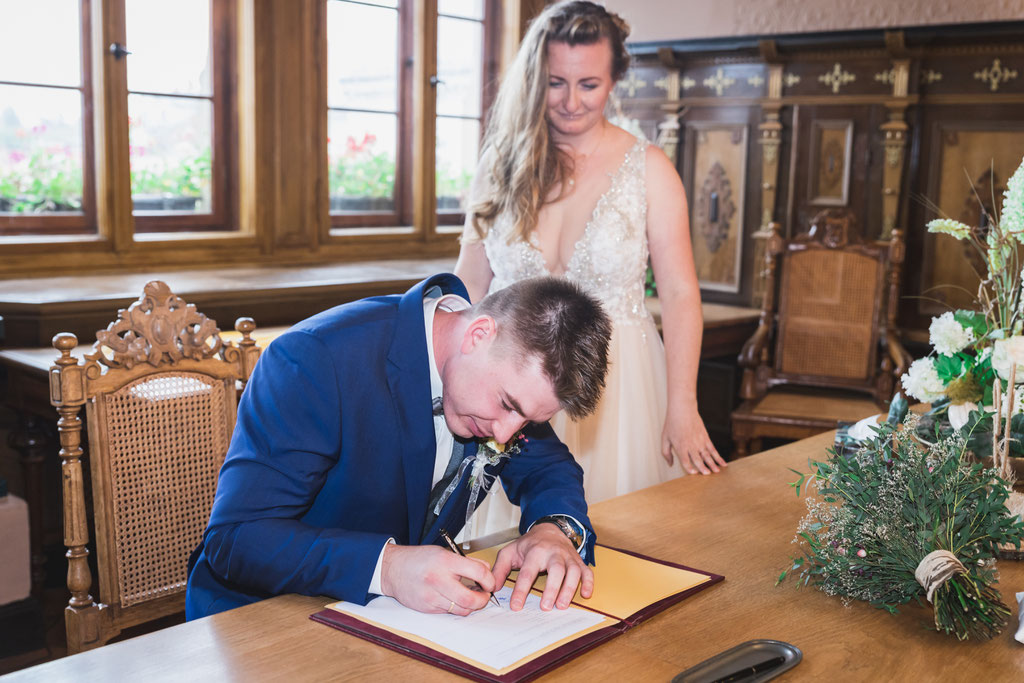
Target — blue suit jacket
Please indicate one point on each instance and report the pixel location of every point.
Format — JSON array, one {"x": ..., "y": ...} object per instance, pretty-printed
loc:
[{"x": 333, "y": 453}]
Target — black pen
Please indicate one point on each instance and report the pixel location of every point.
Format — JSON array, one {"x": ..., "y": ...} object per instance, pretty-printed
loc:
[
  {"x": 751, "y": 671},
  {"x": 457, "y": 549}
]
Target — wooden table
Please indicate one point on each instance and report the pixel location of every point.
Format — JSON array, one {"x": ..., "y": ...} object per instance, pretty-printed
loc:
[{"x": 738, "y": 523}]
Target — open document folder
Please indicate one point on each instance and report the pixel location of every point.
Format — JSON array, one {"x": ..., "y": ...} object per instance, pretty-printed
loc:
[{"x": 497, "y": 644}]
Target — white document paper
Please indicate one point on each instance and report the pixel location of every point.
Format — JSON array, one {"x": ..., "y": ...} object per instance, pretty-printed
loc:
[{"x": 494, "y": 636}]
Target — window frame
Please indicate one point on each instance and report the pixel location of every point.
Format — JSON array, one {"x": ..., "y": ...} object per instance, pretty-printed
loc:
[
  {"x": 408, "y": 175},
  {"x": 402, "y": 213},
  {"x": 224, "y": 145},
  {"x": 489, "y": 74},
  {"x": 70, "y": 223},
  {"x": 97, "y": 17}
]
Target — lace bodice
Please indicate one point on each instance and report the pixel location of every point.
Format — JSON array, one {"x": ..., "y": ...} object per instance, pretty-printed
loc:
[{"x": 610, "y": 259}]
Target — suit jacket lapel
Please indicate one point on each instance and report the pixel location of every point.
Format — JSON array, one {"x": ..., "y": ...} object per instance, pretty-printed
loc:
[{"x": 409, "y": 382}]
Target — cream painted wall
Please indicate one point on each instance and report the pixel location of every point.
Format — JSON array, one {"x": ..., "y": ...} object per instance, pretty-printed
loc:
[{"x": 681, "y": 19}]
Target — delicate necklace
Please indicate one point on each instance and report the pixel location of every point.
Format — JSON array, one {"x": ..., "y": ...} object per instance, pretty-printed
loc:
[{"x": 581, "y": 159}]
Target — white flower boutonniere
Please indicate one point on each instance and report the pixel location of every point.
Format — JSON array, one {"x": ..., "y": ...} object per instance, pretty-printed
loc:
[{"x": 488, "y": 452}]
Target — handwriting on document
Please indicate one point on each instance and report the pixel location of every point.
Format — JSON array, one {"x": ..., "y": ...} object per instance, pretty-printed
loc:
[{"x": 494, "y": 636}]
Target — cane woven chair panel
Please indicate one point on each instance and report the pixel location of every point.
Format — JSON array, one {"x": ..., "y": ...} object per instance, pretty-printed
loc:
[
  {"x": 827, "y": 314},
  {"x": 167, "y": 437}
]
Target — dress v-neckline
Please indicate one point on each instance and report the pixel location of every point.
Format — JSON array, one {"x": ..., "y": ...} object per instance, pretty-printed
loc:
[{"x": 616, "y": 175}]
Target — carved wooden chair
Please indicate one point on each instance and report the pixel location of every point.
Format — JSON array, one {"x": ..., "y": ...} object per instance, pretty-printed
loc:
[
  {"x": 160, "y": 393},
  {"x": 831, "y": 351}
]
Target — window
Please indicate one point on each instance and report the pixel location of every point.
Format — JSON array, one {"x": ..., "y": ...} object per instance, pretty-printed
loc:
[
  {"x": 176, "y": 90},
  {"x": 461, "y": 70},
  {"x": 45, "y": 113},
  {"x": 370, "y": 108},
  {"x": 178, "y": 76}
]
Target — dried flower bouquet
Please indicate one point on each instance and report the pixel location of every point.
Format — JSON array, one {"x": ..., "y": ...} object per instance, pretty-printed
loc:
[{"x": 900, "y": 520}]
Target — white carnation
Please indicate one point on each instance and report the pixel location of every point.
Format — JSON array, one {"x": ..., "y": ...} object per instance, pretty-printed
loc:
[
  {"x": 948, "y": 336},
  {"x": 922, "y": 381},
  {"x": 1005, "y": 354}
]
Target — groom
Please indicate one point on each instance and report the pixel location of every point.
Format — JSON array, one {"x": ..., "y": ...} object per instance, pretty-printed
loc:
[{"x": 340, "y": 476}]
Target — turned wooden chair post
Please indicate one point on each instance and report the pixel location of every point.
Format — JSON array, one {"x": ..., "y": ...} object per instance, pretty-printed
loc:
[
  {"x": 755, "y": 350},
  {"x": 67, "y": 394}
]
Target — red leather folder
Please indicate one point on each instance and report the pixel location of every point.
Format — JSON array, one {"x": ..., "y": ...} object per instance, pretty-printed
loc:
[{"x": 532, "y": 668}]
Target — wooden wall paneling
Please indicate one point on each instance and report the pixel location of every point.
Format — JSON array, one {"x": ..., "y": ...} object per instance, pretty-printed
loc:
[
  {"x": 717, "y": 203},
  {"x": 643, "y": 100},
  {"x": 973, "y": 71},
  {"x": 970, "y": 154},
  {"x": 717, "y": 156},
  {"x": 831, "y": 150},
  {"x": 812, "y": 156},
  {"x": 905, "y": 91},
  {"x": 821, "y": 75},
  {"x": 719, "y": 106}
]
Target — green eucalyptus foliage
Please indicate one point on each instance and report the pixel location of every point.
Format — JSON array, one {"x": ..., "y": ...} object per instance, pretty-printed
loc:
[{"x": 883, "y": 507}]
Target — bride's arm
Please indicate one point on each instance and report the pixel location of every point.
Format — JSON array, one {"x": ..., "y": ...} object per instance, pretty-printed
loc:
[
  {"x": 668, "y": 235},
  {"x": 473, "y": 268}
]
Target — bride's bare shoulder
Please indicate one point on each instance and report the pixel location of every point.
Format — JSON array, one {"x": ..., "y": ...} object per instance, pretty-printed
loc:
[{"x": 620, "y": 140}]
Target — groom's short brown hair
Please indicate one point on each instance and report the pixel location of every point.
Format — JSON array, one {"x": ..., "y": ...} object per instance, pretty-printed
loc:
[{"x": 566, "y": 328}]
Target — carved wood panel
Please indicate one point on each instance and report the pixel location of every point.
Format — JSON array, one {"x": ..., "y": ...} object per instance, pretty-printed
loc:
[
  {"x": 973, "y": 163},
  {"x": 830, "y": 162},
  {"x": 717, "y": 207},
  {"x": 836, "y": 160}
]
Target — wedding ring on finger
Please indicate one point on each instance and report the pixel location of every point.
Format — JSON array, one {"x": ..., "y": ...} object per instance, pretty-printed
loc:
[{"x": 451, "y": 606}]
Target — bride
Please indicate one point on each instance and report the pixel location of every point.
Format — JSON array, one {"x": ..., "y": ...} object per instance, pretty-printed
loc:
[{"x": 561, "y": 191}]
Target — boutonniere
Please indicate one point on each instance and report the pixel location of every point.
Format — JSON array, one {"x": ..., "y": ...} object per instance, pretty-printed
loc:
[
  {"x": 494, "y": 451},
  {"x": 488, "y": 452}
]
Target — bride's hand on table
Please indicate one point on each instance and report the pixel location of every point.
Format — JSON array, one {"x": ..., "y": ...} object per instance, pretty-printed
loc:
[{"x": 685, "y": 435}]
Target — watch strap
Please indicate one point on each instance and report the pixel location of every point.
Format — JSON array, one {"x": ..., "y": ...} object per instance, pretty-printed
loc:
[{"x": 568, "y": 526}]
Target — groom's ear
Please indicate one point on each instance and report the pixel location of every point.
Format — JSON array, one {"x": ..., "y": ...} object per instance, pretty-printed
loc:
[{"x": 479, "y": 333}]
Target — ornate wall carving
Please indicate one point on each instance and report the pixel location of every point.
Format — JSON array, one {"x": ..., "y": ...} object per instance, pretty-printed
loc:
[{"x": 716, "y": 217}]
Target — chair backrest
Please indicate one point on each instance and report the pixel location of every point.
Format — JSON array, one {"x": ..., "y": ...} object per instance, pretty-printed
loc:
[
  {"x": 160, "y": 393},
  {"x": 836, "y": 298}
]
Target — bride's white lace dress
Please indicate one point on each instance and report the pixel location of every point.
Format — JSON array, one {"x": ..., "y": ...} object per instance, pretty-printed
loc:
[{"x": 619, "y": 445}]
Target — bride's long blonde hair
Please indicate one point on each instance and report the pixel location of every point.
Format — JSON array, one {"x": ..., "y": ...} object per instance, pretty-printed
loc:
[{"x": 523, "y": 164}]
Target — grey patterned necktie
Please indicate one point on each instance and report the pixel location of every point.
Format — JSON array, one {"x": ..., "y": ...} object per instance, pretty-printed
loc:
[{"x": 458, "y": 450}]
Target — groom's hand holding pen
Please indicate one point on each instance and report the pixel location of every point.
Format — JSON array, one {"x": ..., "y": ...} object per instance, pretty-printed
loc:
[{"x": 456, "y": 549}]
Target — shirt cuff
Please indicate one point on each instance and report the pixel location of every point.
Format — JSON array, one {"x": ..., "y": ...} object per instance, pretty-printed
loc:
[
  {"x": 586, "y": 534},
  {"x": 375, "y": 579}
]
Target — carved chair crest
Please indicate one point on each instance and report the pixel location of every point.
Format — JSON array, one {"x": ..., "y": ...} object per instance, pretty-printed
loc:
[
  {"x": 162, "y": 329},
  {"x": 833, "y": 228}
]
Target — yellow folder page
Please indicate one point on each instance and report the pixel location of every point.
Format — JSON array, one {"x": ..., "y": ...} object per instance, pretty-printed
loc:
[{"x": 623, "y": 584}]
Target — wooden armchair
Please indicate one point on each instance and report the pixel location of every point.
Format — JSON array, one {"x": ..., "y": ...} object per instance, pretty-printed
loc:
[
  {"x": 160, "y": 393},
  {"x": 836, "y": 347}
]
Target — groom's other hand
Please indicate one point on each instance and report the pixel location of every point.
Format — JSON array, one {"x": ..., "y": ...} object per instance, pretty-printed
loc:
[
  {"x": 428, "y": 579},
  {"x": 544, "y": 548}
]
